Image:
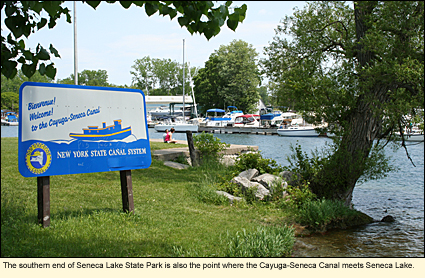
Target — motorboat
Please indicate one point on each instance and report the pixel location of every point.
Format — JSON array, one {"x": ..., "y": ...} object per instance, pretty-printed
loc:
[
  {"x": 413, "y": 134},
  {"x": 248, "y": 120},
  {"x": 297, "y": 131},
  {"x": 216, "y": 117},
  {"x": 179, "y": 124},
  {"x": 10, "y": 119},
  {"x": 232, "y": 113},
  {"x": 272, "y": 119}
]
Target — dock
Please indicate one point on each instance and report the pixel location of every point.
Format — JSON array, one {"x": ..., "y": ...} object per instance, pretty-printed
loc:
[
  {"x": 238, "y": 130},
  {"x": 173, "y": 153}
]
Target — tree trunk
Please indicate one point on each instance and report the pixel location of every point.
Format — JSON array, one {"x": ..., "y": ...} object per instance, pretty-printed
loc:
[{"x": 338, "y": 178}]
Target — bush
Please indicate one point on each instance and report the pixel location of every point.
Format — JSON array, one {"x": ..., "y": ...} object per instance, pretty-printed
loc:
[
  {"x": 209, "y": 146},
  {"x": 298, "y": 195},
  {"x": 321, "y": 215},
  {"x": 264, "y": 242},
  {"x": 254, "y": 160}
]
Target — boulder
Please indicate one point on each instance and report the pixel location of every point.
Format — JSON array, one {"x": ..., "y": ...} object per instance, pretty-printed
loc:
[
  {"x": 290, "y": 177},
  {"x": 249, "y": 174},
  {"x": 261, "y": 191},
  {"x": 230, "y": 197},
  {"x": 388, "y": 218},
  {"x": 175, "y": 165},
  {"x": 267, "y": 180}
]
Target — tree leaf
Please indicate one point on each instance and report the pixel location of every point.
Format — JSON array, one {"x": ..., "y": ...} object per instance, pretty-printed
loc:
[
  {"x": 183, "y": 21},
  {"x": 54, "y": 51},
  {"x": 126, "y": 4},
  {"x": 43, "y": 54},
  {"x": 51, "y": 71},
  {"x": 42, "y": 23},
  {"x": 42, "y": 69},
  {"x": 150, "y": 9},
  {"x": 29, "y": 70},
  {"x": 93, "y": 4}
]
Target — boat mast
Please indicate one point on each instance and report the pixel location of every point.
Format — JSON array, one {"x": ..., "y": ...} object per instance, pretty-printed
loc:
[
  {"x": 184, "y": 117},
  {"x": 193, "y": 93}
]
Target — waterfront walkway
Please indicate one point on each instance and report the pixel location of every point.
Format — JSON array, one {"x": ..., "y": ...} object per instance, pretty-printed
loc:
[{"x": 170, "y": 154}]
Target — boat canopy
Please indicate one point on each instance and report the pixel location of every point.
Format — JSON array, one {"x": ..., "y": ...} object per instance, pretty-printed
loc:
[
  {"x": 216, "y": 110},
  {"x": 268, "y": 117}
]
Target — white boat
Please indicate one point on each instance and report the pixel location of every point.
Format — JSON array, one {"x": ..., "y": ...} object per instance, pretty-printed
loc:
[
  {"x": 216, "y": 117},
  {"x": 414, "y": 135},
  {"x": 298, "y": 131},
  {"x": 248, "y": 120},
  {"x": 220, "y": 117},
  {"x": 178, "y": 124},
  {"x": 10, "y": 119}
]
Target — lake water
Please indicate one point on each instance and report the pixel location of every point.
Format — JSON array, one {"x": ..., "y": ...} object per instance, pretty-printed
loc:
[{"x": 401, "y": 195}]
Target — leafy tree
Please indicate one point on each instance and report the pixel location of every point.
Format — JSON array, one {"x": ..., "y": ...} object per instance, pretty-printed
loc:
[
  {"x": 13, "y": 85},
  {"x": 22, "y": 18},
  {"x": 361, "y": 69},
  {"x": 160, "y": 76},
  {"x": 88, "y": 78},
  {"x": 143, "y": 74},
  {"x": 9, "y": 100},
  {"x": 230, "y": 77}
]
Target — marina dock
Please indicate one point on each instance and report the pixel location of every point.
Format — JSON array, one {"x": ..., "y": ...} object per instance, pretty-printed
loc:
[
  {"x": 238, "y": 130},
  {"x": 173, "y": 153}
]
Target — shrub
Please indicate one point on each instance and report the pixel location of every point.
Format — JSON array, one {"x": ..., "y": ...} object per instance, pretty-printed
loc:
[
  {"x": 254, "y": 160},
  {"x": 321, "y": 215},
  {"x": 264, "y": 242},
  {"x": 298, "y": 195},
  {"x": 209, "y": 146}
]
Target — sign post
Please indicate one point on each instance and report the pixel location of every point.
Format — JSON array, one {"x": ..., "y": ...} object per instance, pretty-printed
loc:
[
  {"x": 43, "y": 201},
  {"x": 70, "y": 129}
]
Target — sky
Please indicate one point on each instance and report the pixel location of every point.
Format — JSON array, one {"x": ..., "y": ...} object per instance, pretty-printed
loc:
[{"x": 111, "y": 38}]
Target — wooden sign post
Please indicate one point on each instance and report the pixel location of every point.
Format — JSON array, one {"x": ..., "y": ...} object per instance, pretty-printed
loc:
[
  {"x": 127, "y": 191},
  {"x": 43, "y": 201}
]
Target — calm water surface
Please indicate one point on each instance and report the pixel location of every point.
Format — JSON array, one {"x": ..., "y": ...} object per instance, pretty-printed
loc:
[{"x": 401, "y": 195}]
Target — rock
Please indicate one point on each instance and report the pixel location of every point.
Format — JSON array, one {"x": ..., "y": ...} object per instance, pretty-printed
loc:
[
  {"x": 228, "y": 160},
  {"x": 268, "y": 180},
  {"x": 388, "y": 218},
  {"x": 261, "y": 191},
  {"x": 249, "y": 174},
  {"x": 229, "y": 196},
  {"x": 291, "y": 178},
  {"x": 175, "y": 165}
]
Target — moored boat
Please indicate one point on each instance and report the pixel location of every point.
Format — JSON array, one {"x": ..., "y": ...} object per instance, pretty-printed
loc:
[
  {"x": 248, "y": 120},
  {"x": 298, "y": 131},
  {"x": 178, "y": 124}
]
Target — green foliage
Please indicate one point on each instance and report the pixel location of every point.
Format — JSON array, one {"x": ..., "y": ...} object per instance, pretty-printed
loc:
[
  {"x": 22, "y": 18},
  {"x": 230, "y": 77},
  {"x": 209, "y": 146},
  {"x": 88, "y": 78},
  {"x": 265, "y": 242},
  {"x": 297, "y": 196},
  {"x": 160, "y": 76},
  {"x": 254, "y": 160},
  {"x": 9, "y": 100},
  {"x": 308, "y": 168},
  {"x": 320, "y": 215},
  {"x": 341, "y": 64}
]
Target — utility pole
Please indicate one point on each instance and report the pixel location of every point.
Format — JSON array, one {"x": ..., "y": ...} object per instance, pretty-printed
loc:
[{"x": 75, "y": 46}]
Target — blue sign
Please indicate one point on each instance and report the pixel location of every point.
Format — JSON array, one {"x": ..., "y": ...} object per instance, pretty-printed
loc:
[{"x": 70, "y": 129}]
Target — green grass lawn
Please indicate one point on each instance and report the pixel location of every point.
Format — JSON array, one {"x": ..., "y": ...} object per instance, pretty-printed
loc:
[{"x": 87, "y": 219}]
